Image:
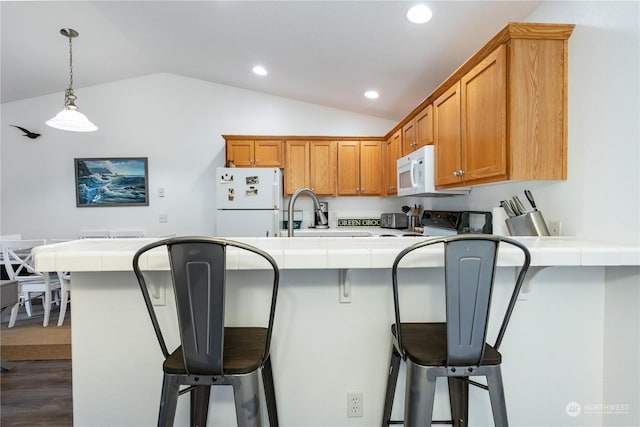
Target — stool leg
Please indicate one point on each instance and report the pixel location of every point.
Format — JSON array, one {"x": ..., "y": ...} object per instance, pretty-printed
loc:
[
  {"x": 246, "y": 394},
  {"x": 496, "y": 394},
  {"x": 199, "y": 405},
  {"x": 459, "y": 400},
  {"x": 270, "y": 393},
  {"x": 392, "y": 381},
  {"x": 419, "y": 395},
  {"x": 168, "y": 400}
]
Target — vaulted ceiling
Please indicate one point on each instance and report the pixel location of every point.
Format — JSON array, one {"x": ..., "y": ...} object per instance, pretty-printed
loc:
[{"x": 322, "y": 52}]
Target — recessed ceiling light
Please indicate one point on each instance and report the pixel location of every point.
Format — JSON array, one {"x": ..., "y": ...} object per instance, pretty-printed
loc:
[
  {"x": 419, "y": 14},
  {"x": 371, "y": 94},
  {"x": 259, "y": 70}
]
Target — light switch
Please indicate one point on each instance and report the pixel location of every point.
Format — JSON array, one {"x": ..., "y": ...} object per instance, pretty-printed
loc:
[{"x": 161, "y": 192}]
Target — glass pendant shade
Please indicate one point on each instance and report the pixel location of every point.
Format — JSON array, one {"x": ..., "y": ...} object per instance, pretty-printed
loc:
[{"x": 72, "y": 120}]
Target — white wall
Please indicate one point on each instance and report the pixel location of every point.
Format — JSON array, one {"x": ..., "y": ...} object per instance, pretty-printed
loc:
[{"x": 174, "y": 121}]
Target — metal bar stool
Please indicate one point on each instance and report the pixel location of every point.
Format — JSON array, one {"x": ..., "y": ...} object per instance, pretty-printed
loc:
[
  {"x": 211, "y": 353},
  {"x": 456, "y": 349}
]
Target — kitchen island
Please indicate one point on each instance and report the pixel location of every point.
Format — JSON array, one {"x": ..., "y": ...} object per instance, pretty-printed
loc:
[{"x": 331, "y": 335}]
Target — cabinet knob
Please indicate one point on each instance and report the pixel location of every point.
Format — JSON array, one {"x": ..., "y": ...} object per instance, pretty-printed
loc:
[
  {"x": 456, "y": 173},
  {"x": 257, "y": 160}
]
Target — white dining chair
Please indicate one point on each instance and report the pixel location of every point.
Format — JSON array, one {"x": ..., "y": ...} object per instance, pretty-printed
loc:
[
  {"x": 17, "y": 257},
  {"x": 65, "y": 286},
  {"x": 126, "y": 234},
  {"x": 94, "y": 234},
  {"x": 65, "y": 294}
]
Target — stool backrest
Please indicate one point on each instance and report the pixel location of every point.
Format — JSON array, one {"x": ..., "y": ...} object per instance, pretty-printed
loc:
[
  {"x": 470, "y": 262},
  {"x": 469, "y": 273},
  {"x": 198, "y": 272}
]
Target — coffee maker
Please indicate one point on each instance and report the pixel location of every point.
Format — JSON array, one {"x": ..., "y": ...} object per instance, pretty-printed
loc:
[{"x": 324, "y": 207}]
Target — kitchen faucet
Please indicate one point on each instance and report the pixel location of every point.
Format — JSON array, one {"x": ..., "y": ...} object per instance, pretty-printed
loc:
[{"x": 292, "y": 202}]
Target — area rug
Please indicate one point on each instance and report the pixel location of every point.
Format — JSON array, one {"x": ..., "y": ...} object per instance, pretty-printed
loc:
[{"x": 29, "y": 340}]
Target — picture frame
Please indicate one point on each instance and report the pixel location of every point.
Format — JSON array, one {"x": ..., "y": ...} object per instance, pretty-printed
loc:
[{"x": 111, "y": 181}]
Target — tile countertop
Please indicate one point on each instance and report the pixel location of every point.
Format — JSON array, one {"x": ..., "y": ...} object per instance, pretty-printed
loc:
[{"x": 326, "y": 253}]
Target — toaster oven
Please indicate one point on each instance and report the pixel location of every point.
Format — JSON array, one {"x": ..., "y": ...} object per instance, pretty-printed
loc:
[{"x": 394, "y": 220}]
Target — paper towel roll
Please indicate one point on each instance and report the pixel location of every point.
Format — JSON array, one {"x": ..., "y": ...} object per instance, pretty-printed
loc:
[{"x": 498, "y": 218}]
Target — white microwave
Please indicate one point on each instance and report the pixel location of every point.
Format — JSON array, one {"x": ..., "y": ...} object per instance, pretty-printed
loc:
[{"x": 416, "y": 175}]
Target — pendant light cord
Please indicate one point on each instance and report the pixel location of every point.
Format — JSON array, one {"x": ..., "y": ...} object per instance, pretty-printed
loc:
[{"x": 70, "y": 64}]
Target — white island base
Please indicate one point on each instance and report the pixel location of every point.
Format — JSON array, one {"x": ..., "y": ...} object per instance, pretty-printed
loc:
[{"x": 574, "y": 337}]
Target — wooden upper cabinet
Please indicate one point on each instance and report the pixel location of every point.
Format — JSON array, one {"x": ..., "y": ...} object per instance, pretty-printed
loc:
[
  {"x": 268, "y": 153},
  {"x": 296, "y": 170},
  {"x": 470, "y": 126},
  {"x": 323, "y": 167},
  {"x": 310, "y": 164},
  {"x": 483, "y": 105},
  {"x": 254, "y": 152},
  {"x": 424, "y": 127},
  {"x": 371, "y": 168},
  {"x": 360, "y": 168},
  {"x": 513, "y": 110},
  {"x": 409, "y": 143},
  {"x": 418, "y": 132},
  {"x": 348, "y": 168},
  {"x": 537, "y": 108},
  {"x": 392, "y": 152},
  {"x": 241, "y": 152},
  {"x": 447, "y": 136}
]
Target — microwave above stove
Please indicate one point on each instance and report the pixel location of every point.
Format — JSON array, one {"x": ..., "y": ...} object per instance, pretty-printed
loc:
[{"x": 416, "y": 175}]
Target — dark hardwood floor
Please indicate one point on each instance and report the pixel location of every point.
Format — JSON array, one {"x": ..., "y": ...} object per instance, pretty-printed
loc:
[{"x": 36, "y": 393}]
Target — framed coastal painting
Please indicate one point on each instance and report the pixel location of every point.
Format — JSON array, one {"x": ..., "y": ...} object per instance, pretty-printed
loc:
[{"x": 112, "y": 181}]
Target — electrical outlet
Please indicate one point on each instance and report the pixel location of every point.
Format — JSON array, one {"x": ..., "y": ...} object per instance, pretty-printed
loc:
[
  {"x": 554, "y": 228},
  {"x": 354, "y": 404},
  {"x": 164, "y": 218}
]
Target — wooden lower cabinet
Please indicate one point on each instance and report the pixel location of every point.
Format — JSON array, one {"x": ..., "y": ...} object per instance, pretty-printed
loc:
[
  {"x": 360, "y": 168},
  {"x": 310, "y": 164}
]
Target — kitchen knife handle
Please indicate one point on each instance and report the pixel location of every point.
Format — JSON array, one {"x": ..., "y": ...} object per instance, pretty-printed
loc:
[{"x": 530, "y": 198}]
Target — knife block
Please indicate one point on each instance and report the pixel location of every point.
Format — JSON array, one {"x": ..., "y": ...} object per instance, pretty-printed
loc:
[{"x": 529, "y": 224}]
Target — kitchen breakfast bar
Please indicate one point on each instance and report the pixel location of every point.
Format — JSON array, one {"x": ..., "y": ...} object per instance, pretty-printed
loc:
[{"x": 571, "y": 353}]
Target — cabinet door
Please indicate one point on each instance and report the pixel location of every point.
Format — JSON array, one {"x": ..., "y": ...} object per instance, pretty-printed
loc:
[
  {"x": 409, "y": 137},
  {"x": 393, "y": 151},
  {"x": 446, "y": 115},
  {"x": 323, "y": 157},
  {"x": 483, "y": 96},
  {"x": 268, "y": 153},
  {"x": 348, "y": 168},
  {"x": 371, "y": 168},
  {"x": 241, "y": 152},
  {"x": 296, "y": 169},
  {"x": 424, "y": 127}
]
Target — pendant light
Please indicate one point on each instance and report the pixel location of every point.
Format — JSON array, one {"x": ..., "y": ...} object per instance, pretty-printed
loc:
[{"x": 70, "y": 118}]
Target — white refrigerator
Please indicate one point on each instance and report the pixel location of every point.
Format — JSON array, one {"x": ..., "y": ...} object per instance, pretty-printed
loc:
[{"x": 248, "y": 202}]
